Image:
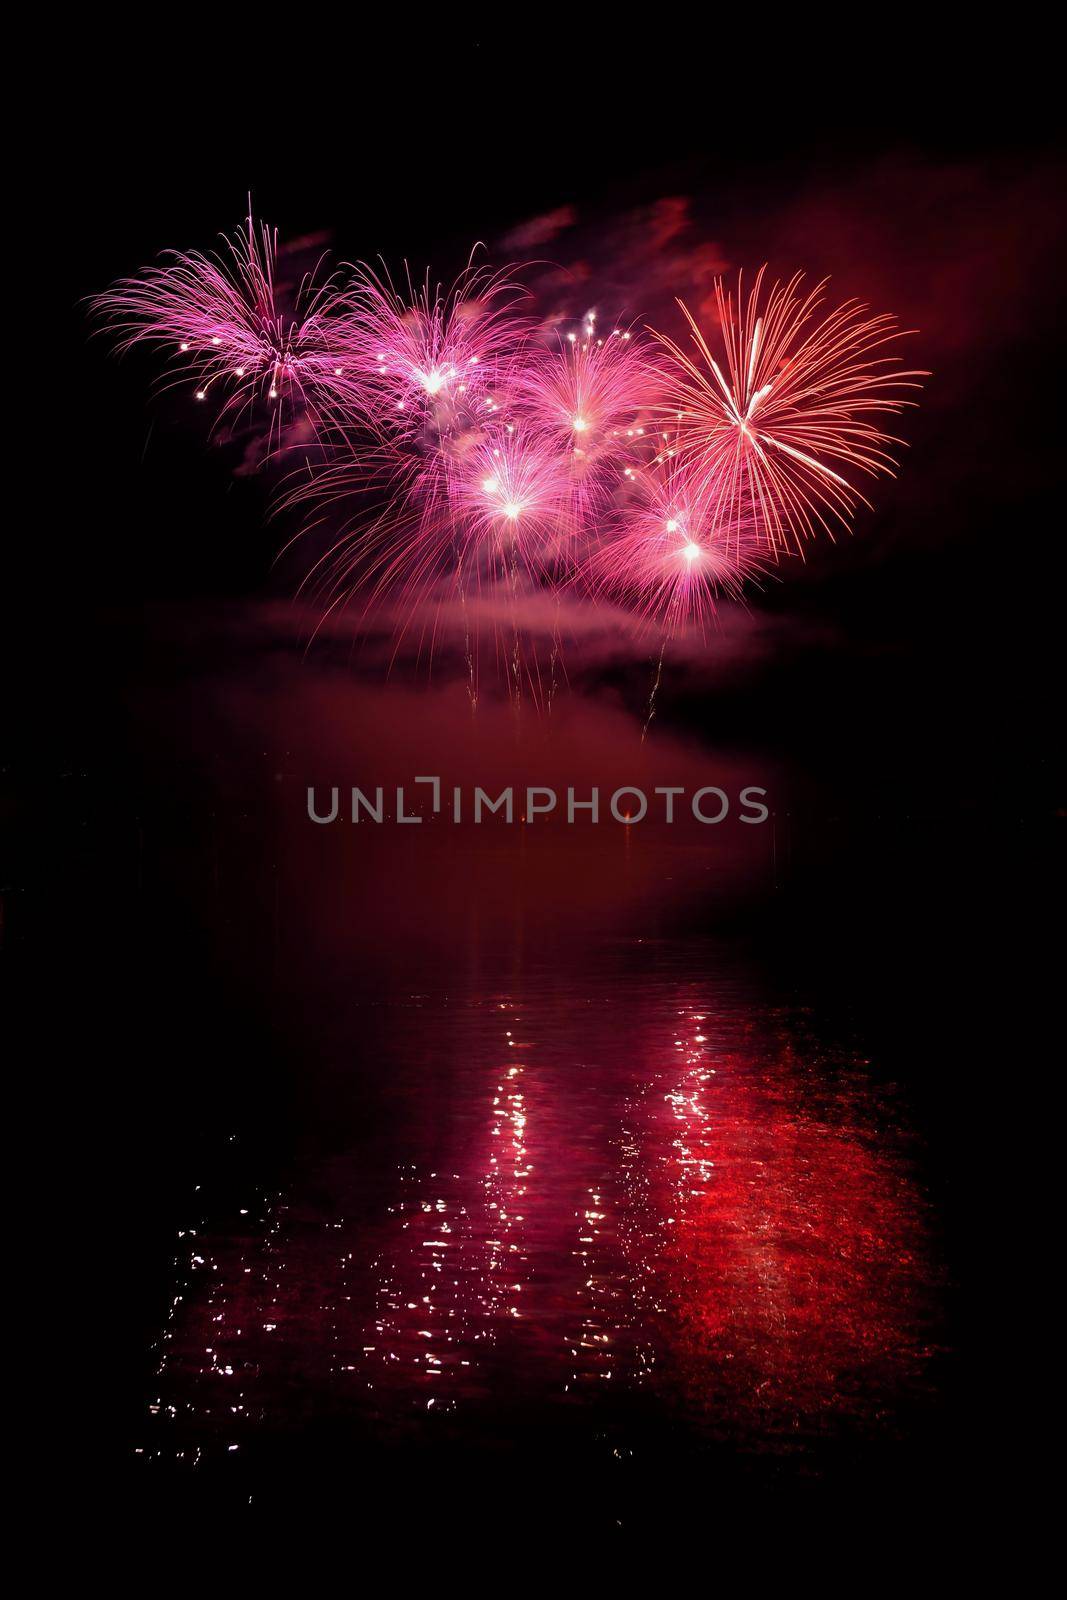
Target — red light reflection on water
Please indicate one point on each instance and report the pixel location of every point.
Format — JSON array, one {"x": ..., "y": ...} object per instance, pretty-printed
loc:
[
  {"x": 632, "y": 1191},
  {"x": 785, "y": 1235}
]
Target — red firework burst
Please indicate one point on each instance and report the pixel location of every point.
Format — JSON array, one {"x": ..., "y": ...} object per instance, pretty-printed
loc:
[{"x": 794, "y": 413}]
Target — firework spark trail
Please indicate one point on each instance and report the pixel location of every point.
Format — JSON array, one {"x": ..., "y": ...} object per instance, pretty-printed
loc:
[
  {"x": 671, "y": 552},
  {"x": 657, "y": 678},
  {"x": 510, "y": 499},
  {"x": 798, "y": 406},
  {"x": 460, "y": 458}
]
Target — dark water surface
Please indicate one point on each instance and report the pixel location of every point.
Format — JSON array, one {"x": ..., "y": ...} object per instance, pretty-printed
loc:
[
  {"x": 436, "y": 1172},
  {"x": 629, "y": 1218}
]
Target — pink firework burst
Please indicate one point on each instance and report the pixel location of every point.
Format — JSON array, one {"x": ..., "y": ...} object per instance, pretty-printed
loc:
[
  {"x": 432, "y": 362},
  {"x": 793, "y": 413},
  {"x": 460, "y": 465},
  {"x": 238, "y": 338},
  {"x": 487, "y": 520},
  {"x": 433, "y": 367},
  {"x": 590, "y": 393},
  {"x": 674, "y": 548},
  {"x": 511, "y": 499}
]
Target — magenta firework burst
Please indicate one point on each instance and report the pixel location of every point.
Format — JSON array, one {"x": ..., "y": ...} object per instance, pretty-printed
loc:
[
  {"x": 590, "y": 391},
  {"x": 512, "y": 499},
  {"x": 432, "y": 361},
  {"x": 675, "y": 546},
  {"x": 462, "y": 448},
  {"x": 241, "y": 341}
]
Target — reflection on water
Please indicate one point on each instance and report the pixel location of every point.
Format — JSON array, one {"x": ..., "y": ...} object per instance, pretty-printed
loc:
[{"x": 624, "y": 1200}]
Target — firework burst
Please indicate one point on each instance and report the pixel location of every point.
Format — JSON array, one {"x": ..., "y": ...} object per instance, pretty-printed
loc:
[
  {"x": 432, "y": 362},
  {"x": 792, "y": 415},
  {"x": 458, "y": 459},
  {"x": 430, "y": 366},
  {"x": 673, "y": 549},
  {"x": 589, "y": 393},
  {"x": 511, "y": 501},
  {"x": 239, "y": 339}
]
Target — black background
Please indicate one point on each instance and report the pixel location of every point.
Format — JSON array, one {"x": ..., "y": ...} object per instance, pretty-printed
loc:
[{"x": 950, "y": 726}]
